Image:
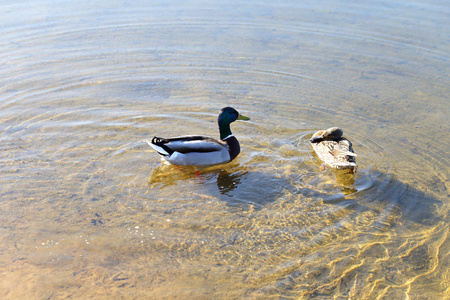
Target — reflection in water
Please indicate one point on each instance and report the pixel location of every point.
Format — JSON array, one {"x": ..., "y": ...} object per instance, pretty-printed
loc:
[
  {"x": 346, "y": 179},
  {"x": 235, "y": 185},
  {"x": 167, "y": 175},
  {"x": 312, "y": 240},
  {"x": 251, "y": 188},
  {"x": 227, "y": 182}
]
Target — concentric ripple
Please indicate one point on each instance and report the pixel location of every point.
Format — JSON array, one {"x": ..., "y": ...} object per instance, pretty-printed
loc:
[{"x": 87, "y": 203}]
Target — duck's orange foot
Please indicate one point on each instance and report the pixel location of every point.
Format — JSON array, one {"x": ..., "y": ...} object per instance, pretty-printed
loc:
[
  {"x": 322, "y": 167},
  {"x": 197, "y": 174}
]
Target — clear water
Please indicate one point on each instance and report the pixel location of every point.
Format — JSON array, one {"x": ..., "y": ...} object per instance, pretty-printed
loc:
[{"x": 88, "y": 211}]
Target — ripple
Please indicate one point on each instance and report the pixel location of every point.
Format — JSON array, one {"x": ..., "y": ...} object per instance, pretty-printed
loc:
[{"x": 84, "y": 86}]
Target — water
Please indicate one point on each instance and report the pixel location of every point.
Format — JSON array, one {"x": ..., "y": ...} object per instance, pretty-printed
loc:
[{"x": 88, "y": 211}]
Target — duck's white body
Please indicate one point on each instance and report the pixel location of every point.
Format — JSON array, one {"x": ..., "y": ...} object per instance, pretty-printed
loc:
[{"x": 192, "y": 151}]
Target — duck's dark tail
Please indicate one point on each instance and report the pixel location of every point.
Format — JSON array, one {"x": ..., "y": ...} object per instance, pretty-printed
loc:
[{"x": 159, "y": 145}]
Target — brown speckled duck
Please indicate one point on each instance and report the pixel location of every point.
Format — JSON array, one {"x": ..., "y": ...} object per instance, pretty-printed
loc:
[{"x": 334, "y": 150}]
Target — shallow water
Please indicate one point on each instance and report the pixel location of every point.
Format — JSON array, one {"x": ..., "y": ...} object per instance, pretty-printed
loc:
[{"x": 89, "y": 211}]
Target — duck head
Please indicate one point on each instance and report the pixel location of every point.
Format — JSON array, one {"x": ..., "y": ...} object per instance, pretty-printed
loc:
[
  {"x": 331, "y": 134},
  {"x": 227, "y": 116}
]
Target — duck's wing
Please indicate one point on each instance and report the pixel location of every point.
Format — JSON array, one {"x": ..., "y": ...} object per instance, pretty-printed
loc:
[
  {"x": 342, "y": 152},
  {"x": 191, "y": 150},
  {"x": 343, "y": 148},
  {"x": 335, "y": 154},
  {"x": 187, "y": 144}
]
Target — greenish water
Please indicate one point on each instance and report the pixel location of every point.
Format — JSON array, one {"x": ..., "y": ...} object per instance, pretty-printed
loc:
[{"x": 88, "y": 210}]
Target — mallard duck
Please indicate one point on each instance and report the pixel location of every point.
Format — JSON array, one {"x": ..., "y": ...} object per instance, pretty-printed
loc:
[
  {"x": 333, "y": 149},
  {"x": 196, "y": 150}
]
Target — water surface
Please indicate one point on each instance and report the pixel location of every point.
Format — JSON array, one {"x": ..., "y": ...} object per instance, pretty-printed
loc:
[{"x": 89, "y": 211}]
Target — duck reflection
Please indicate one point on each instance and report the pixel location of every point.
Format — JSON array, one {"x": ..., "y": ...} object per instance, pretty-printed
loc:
[
  {"x": 167, "y": 175},
  {"x": 237, "y": 186},
  {"x": 255, "y": 189},
  {"x": 227, "y": 182},
  {"x": 346, "y": 179}
]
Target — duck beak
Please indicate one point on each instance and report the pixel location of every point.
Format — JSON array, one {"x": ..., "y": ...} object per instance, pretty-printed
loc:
[{"x": 243, "y": 118}]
